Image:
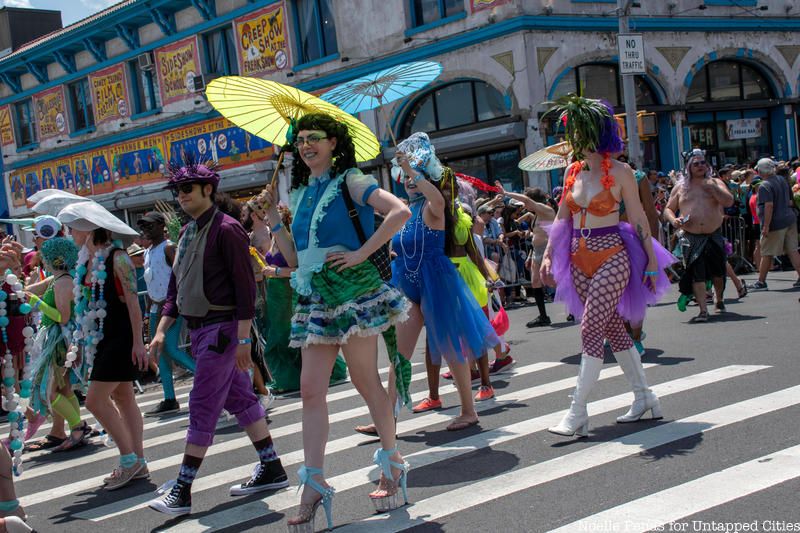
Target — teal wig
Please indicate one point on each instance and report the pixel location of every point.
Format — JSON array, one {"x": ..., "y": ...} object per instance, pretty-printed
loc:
[{"x": 60, "y": 254}]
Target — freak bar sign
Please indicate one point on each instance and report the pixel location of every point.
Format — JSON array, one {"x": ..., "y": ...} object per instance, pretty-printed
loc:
[{"x": 631, "y": 54}]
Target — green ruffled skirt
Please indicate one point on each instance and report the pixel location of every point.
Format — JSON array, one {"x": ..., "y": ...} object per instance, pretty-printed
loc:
[{"x": 355, "y": 301}]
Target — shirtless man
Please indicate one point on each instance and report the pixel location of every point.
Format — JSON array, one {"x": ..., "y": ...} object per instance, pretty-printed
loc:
[{"x": 700, "y": 198}]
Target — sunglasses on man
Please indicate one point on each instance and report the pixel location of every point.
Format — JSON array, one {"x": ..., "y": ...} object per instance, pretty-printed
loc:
[{"x": 185, "y": 188}]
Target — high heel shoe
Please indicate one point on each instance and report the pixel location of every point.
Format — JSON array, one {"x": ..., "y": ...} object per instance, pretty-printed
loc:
[
  {"x": 644, "y": 399},
  {"x": 388, "y": 484},
  {"x": 308, "y": 512}
]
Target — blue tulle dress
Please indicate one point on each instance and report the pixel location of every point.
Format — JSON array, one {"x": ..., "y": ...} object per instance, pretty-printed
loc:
[{"x": 456, "y": 326}]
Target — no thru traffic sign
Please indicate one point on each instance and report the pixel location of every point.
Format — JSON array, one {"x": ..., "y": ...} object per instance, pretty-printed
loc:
[{"x": 631, "y": 54}]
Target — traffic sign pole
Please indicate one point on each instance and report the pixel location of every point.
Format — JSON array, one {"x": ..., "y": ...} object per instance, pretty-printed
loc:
[{"x": 628, "y": 86}]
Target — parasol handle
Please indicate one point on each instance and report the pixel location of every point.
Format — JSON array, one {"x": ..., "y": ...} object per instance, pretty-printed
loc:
[
  {"x": 386, "y": 119},
  {"x": 271, "y": 183}
]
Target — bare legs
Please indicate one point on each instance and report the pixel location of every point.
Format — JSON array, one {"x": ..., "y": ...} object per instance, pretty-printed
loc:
[{"x": 114, "y": 406}]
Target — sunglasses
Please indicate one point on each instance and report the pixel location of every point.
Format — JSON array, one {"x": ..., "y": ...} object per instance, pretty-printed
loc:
[
  {"x": 311, "y": 140},
  {"x": 185, "y": 188}
]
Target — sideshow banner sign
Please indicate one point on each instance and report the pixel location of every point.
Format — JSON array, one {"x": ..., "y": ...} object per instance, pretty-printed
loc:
[
  {"x": 481, "y": 5},
  {"x": 6, "y": 130},
  {"x": 216, "y": 140},
  {"x": 50, "y": 109},
  {"x": 261, "y": 43},
  {"x": 16, "y": 185},
  {"x": 109, "y": 94},
  {"x": 177, "y": 65},
  {"x": 80, "y": 172},
  {"x": 138, "y": 161},
  {"x": 65, "y": 178},
  {"x": 48, "y": 177},
  {"x": 30, "y": 176},
  {"x": 100, "y": 171}
]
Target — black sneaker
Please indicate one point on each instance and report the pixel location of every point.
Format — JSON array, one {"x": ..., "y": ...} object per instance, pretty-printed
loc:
[
  {"x": 539, "y": 322},
  {"x": 164, "y": 407},
  {"x": 266, "y": 476},
  {"x": 178, "y": 501}
]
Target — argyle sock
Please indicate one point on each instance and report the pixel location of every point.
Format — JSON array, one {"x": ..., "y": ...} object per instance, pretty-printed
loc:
[
  {"x": 189, "y": 468},
  {"x": 266, "y": 450}
]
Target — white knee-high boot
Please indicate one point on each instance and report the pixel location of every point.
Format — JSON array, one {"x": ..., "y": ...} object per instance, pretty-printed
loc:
[
  {"x": 643, "y": 398},
  {"x": 576, "y": 421}
]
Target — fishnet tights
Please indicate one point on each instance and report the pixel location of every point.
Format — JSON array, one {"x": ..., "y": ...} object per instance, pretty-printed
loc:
[{"x": 600, "y": 295}]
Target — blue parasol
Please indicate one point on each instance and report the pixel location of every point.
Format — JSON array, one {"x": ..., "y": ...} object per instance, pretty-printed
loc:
[{"x": 380, "y": 88}]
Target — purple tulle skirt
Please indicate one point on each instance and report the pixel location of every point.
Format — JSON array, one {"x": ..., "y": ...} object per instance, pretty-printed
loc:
[{"x": 637, "y": 296}]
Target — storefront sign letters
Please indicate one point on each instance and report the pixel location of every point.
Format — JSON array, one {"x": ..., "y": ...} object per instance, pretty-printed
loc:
[
  {"x": 743, "y": 128},
  {"x": 261, "y": 43},
  {"x": 177, "y": 64}
]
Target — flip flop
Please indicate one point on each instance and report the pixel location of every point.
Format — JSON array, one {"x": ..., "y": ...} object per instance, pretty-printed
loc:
[
  {"x": 458, "y": 425},
  {"x": 699, "y": 319},
  {"x": 368, "y": 430},
  {"x": 49, "y": 441}
]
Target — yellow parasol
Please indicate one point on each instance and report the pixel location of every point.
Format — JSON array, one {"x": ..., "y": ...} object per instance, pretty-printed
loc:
[
  {"x": 266, "y": 108},
  {"x": 550, "y": 158}
]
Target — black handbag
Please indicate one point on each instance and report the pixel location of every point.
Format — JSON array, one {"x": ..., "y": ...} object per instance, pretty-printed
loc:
[{"x": 380, "y": 258}]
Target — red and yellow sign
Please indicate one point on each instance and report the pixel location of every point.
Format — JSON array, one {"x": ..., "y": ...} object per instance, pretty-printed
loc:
[
  {"x": 177, "y": 65},
  {"x": 16, "y": 184},
  {"x": 481, "y": 5},
  {"x": 109, "y": 94},
  {"x": 51, "y": 116},
  {"x": 6, "y": 129},
  {"x": 81, "y": 172},
  {"x": 261, "y": 43},
  {"x": 138, "y": 161}
]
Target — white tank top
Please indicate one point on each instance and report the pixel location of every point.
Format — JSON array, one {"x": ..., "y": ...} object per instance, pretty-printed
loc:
[{"x": 157, "y": 272}]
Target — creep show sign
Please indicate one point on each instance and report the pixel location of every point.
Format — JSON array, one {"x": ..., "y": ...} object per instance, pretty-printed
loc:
[
  {"x": 177, "y": 65},
  {"x": 262, "y": 47},
  {"x": 109, "y": 94},
  {"x": 51, "y": 116}
]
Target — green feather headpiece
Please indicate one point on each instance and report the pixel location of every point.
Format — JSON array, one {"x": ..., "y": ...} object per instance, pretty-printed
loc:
[{"x": 589, "y": 125}]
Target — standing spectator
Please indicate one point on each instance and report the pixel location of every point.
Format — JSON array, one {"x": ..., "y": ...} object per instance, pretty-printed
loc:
[
  {"x": 778, "y": 222},
  {"x": 492, "y": 233}
]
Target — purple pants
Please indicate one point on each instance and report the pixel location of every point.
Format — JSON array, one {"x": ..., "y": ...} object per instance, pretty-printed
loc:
[{"x": 218, "y": 383}]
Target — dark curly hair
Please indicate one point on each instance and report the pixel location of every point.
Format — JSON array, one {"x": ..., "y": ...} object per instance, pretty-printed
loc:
[{"x": 344, "y": 156}]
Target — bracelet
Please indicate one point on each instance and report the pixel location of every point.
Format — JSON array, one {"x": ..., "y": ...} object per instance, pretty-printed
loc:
[
  {"x": 248, "y": 340},
  {"x": 276, "y": 228},
  {"x": 650, "y": 273},
  {"x": 418, "y": 176},
  {"x": 277, "y": 271}
]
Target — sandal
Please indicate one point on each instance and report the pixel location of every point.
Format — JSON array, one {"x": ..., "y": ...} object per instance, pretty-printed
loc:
[
  {"x": 700, "y": 318},
  {"x": 742, "y": 291},
  {"x": 370, "y": 430},
  {"x": 45, "y": 443},
  {"x": 73, "y": 442},
  {"x": 459, "y": 423}
]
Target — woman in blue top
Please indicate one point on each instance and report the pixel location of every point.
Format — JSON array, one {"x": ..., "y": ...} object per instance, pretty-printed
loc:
[{"x": 342, "y": 302}]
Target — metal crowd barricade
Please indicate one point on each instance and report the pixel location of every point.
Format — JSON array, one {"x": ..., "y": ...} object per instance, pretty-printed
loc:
[{"x": 733, "y": 229}]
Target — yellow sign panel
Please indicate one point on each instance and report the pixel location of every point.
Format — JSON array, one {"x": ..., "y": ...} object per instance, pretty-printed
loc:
[
  {"x": 177, "y": 65},
  {"x": 51, "y": 115},
  {"x": 109, "y": 94},
  {"x": 6, "y": 130},
  {"x": 261, "y": 42}
]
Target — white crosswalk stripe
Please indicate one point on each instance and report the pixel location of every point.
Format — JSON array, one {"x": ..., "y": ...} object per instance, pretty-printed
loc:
[{"x": 75, "y": 476}]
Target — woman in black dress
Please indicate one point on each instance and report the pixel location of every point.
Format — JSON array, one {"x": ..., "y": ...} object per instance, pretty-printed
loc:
[{"x": 107, "y": 310}]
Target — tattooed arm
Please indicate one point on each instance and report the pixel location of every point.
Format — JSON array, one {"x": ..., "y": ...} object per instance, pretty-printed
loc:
[{"x": 126, "y": 273}]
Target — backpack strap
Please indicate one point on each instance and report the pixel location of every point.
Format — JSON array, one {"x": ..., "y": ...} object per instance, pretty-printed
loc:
[{"x": 352, "y": 211}]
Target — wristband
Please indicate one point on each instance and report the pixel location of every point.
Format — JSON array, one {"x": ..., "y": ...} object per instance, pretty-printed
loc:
[
  {"x": 650, "y": 273},
  {"x": 418, "y": 177},
  {"x": 245, "y": 341},
  {"x": 276, "y": 228},
  {"x": 277, "y": 271}
]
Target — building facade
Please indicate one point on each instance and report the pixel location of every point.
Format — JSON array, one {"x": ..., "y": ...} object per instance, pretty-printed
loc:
[{"x": 101, "y": 107}]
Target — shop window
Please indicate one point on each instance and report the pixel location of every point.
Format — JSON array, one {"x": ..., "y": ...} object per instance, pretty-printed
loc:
[
  {"x": 710, "y": 131},
  {"x": 602, "y": 80},
  {"x": 144, "y": 83},
  {"x": 728, "y": 81},
  {"x": 500, "y": 166},
  {"x": 454, "y": 105},
  {"x": 428, "y": 11},
  {"x": 220, "y": 52},
  {"x": 316, "y": 30},
  {"x": 80, "y": 102},
  {"x": 25, "y": 123}
]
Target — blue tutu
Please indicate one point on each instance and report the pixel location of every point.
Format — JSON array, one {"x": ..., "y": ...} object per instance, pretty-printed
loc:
[{"x": 456, "y": 326}]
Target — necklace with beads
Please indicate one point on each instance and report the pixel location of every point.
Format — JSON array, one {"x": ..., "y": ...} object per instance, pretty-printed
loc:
[
  {"x": 14, "y": 402},
  {"x": 90, "y": 307},
  {"x": 417, "y": 219}
]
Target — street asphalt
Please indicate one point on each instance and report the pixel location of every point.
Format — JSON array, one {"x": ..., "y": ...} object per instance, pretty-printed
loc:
[{"x": 724, "y": 453}]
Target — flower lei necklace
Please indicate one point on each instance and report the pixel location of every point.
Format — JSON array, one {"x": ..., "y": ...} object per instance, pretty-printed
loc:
[
  {"x": 90, "y": 307},
  {"x": 12, "y": 402},
  {"x": 606, "y": 180}
]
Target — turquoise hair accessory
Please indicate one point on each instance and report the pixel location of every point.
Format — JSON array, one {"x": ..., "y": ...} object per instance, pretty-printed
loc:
[
  {"x": 291, "y": 132},
  {"x": 60, "y": 253}
]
